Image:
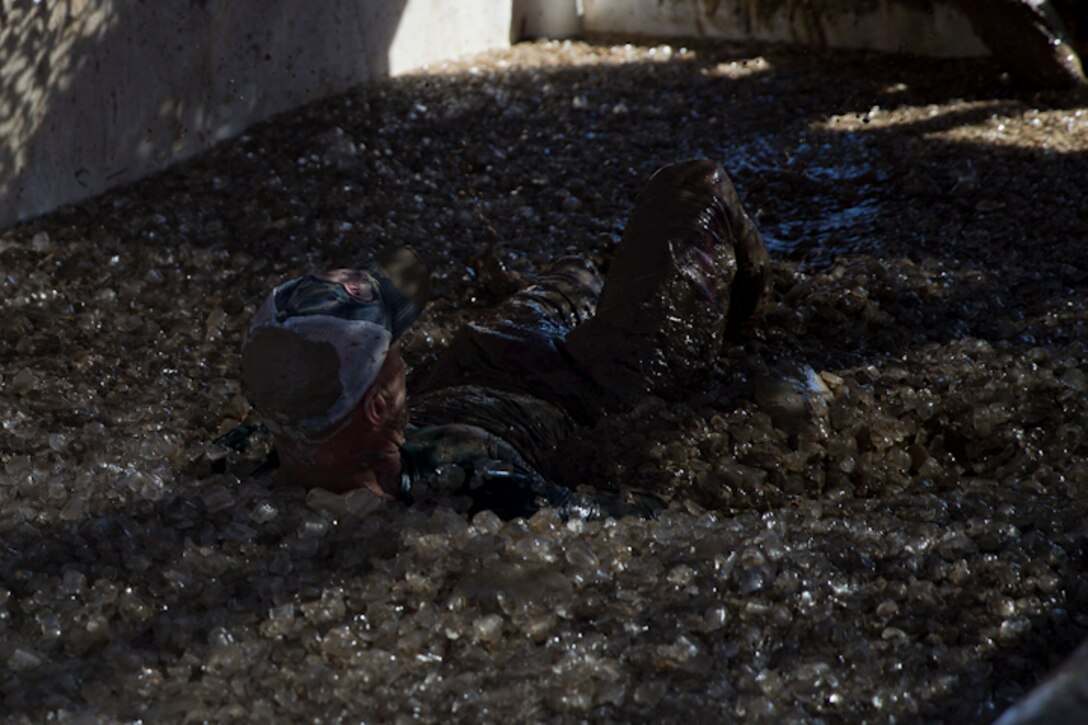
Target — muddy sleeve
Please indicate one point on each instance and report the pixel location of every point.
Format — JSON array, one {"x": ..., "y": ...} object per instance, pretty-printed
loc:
[{"x": 497, "y": 478}]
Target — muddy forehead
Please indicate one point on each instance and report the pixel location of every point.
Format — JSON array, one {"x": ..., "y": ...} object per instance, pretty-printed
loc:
[{"x": 286, "y": 373}]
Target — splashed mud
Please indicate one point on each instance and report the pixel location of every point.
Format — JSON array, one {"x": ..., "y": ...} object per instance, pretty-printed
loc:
[{"x": 918, "y": 555}]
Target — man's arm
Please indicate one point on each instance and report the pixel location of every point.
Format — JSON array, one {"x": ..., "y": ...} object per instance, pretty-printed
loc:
[{"x": 497, "y": 478}]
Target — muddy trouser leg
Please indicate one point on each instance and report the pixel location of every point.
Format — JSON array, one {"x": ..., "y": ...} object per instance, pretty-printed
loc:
[
  {"x": 690, "y": 271},
  {"x": 1031, "y": 38},
  {"x": 518, "y": 346},
  {"x": 509, "y": 374}
]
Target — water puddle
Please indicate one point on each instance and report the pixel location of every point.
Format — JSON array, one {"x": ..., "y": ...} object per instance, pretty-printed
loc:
[{"x": 817, "y": 195}]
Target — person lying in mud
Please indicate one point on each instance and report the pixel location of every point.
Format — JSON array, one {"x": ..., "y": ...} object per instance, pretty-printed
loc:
[{"x": 322, "y": 365}]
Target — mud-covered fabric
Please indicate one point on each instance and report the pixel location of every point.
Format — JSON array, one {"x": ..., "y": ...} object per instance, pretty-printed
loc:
[
  {"x": 532, "y": 426},
  {"x": 504, "y": 395},
  {"x": 496, "y": 477},
  {"x": 691, "y": 271},
  {"x": 1038, "y": 41},
  {"x": 520, "y": 345}
]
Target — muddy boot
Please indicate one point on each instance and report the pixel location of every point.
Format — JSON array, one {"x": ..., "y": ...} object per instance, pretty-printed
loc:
[
  {"x": 1030, "y": 38},
  {"x": 690, "y": 270},
  {"x": 795, "y": 397},
  {"x": 518, "y": 345}
]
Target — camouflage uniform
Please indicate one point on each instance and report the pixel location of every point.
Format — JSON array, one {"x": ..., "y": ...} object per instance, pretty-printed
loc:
[{"x": 690, "y": 271}]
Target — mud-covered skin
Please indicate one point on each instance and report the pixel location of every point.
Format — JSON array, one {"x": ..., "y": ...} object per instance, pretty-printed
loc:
[
  {"x": 690, "y": 270},
  {"x": 1034, "y": 38}
]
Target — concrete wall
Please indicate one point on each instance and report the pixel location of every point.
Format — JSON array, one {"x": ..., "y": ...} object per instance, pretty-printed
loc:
[
  {"x": 924, "y": 27},
  {"x": 547, "y": 19},
  {"x": 95, "y": 93}
]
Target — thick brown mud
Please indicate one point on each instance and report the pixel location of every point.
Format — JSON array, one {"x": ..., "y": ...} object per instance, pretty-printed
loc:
[{"x": 915, "y": 551}]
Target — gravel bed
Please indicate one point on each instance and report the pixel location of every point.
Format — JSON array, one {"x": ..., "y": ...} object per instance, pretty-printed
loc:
[{"x": 918, "y": 556}]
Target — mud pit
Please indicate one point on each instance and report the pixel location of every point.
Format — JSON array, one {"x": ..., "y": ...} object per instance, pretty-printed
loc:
[{"x": 923, "y": 561}]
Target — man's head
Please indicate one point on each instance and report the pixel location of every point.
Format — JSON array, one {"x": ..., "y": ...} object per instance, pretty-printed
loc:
[{"x": 321, "y": 354}]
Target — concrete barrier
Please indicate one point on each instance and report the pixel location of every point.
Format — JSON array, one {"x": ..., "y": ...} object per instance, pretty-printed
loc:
[
  {"x": 923, "y": 27},
  {"x": 548, "y": 19},
  {"x": 96, "y": 93}
]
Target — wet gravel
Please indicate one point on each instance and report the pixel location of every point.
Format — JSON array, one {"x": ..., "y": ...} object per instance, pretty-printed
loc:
[{"x": 916, "y": 554}]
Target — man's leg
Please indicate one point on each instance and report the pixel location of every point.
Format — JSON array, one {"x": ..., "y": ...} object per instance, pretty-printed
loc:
[
  {"x": 1031, "y": 38},
  {"x": 518, "y": 345},
  {"x": 690, "y": 271}
]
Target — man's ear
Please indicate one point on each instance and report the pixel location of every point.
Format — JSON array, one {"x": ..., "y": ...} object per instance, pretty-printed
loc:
[{"x": 375, "y": 407}]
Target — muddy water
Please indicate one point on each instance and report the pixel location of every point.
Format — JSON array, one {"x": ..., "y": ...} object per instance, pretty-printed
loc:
[{"x": 921, "y": 556}]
